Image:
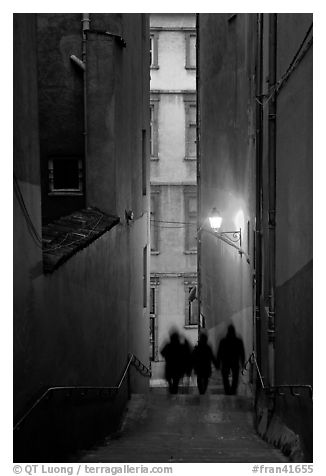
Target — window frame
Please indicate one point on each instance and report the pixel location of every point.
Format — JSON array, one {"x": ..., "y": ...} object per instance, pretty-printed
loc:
[
  {"x": 153, "y": 127},
  {"x": 153, "y": 48},
  {"x": 153, "y": 318},
  {"x": 144, "y": 162},
  {"x": 188, "y": 193},
  {"x": 155, "y": 195},
  {"x": 188, "y": 36},
  {"x": 189, "y": 283},
  {"x": 189, "y": 102},
  {"x": 145, "y": 271}
]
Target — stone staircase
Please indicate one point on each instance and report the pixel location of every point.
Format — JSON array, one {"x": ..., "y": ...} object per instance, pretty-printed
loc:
[{"x": 185, "y": 428}]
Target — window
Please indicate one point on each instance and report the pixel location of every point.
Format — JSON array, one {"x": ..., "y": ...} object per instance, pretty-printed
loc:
[
  {"x": 144, "y": 163},
  {"x": 190, "y": 50},
  {"x": 152, "y": 309},
  {"x": 192, "y": 315},
  {"x": 190, "y": 133},
  {"x": 152, "y": 336},
  {"x": 65, "y": 176},
  {"x": 153, "y": 129},
  {"x": 153, "y": 342},
  {"x": 190, "y": 198},
  {"x": 153, "y": 42},
  {"x": 152, "y": 326},
  {"x": 145, "y": 277},
  {"x": 191, "y": 305},
  {"x": 154, "y": 224}
]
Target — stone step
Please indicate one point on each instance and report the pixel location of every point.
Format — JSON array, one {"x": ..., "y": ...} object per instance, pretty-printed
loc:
[{"x": 159, "y": 427}]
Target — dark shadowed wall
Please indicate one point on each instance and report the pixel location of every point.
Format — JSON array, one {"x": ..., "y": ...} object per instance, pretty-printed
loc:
[
  {"x": 75, "y": 327},
  {"x": 61, "y": 106},
  {"x": 294, "y": 205},
  {"x": 250, "y": 154}
]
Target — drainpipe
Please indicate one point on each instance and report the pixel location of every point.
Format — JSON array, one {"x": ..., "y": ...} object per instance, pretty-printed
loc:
[
  {"x": 85, "y": 27},
  {"x": 272, "y": 195},
  {"x": 198, "y": 171},
  {"x": 259, "y": 152}
]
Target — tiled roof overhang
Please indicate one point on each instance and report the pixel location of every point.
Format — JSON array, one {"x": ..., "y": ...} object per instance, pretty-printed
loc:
[{"x": 66, "y": 236}]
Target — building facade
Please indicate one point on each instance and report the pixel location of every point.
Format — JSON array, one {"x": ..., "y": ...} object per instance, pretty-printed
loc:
[
  {"x": 81, "y": 263},
  {"x": 255, "y": 102},
  {"x": 173, "y": 180}
]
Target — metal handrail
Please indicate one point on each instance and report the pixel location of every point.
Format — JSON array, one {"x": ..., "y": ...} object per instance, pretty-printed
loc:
[
  {"x": 252, "y": 360},
  {"x": 132, "y": 359},
  {"x": 140, "y": 366},
  {"x": 275, "y": 388}
]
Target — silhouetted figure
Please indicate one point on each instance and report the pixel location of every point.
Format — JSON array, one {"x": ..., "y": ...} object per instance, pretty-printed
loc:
[
  {"x": 202, "y": 358},
  {"x": 176, "y": 355},
  {"x": 230, "y": 354}
]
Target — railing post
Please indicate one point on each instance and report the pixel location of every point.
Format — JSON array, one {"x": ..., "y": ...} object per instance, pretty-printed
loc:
[{"x": 128, "y": 380}]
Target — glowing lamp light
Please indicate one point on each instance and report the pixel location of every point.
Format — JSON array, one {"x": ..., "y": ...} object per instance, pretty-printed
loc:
[
  {"x": 229, "y": 237},
  {"x": 215, "y": 220}
]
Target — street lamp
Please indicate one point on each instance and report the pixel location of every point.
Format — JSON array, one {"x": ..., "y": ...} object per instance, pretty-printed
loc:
[
  {"x": 215, "y": 220},
  {"x": 230, "y": 237}
]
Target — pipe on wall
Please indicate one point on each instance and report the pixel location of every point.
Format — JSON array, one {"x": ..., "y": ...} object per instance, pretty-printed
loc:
[
  {"x": 198, "y": 170},
  {"x": 272, "y": 195},
  {"x": 259, "y": 158},
  {"x": 85, "y": 27},
  {"x": 78, "y": 62}
]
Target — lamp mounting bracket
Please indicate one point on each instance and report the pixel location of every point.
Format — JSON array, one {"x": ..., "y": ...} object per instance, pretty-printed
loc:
[{"x": 234, "y": 236}]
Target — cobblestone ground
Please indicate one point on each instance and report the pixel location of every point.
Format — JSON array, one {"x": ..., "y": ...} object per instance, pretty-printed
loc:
[{"x": 159, "y": 427}]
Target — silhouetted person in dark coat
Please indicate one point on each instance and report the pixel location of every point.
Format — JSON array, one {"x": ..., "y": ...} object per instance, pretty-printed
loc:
[
  {"x": 202, "y": 359},
  {"x": 176, "y": 357},
  {"x": 229, "y": 356}
]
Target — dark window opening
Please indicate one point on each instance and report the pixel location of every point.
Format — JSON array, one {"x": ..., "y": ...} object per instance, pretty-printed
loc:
[
  {"x": 192, "y": 315},
  {"x": 144, "y": 162},
  {"x": 145, "y": 277},
  {"x": 65, "y": 176},
  {"x": 152, "y": 301},
  {"x": 191, "y": 220},
  {"x": 154, "y": 229}
]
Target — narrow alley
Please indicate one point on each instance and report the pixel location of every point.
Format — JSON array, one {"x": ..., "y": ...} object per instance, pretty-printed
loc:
[{"x": 163, "y": 229}]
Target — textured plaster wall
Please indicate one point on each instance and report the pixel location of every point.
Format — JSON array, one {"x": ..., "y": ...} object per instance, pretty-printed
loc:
[
  {"x": 172, "y": 256},
  {"x": 175, "y": 20},
  {"x": 171, "y": 165},
  {"x": 172, "y": 54}
]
